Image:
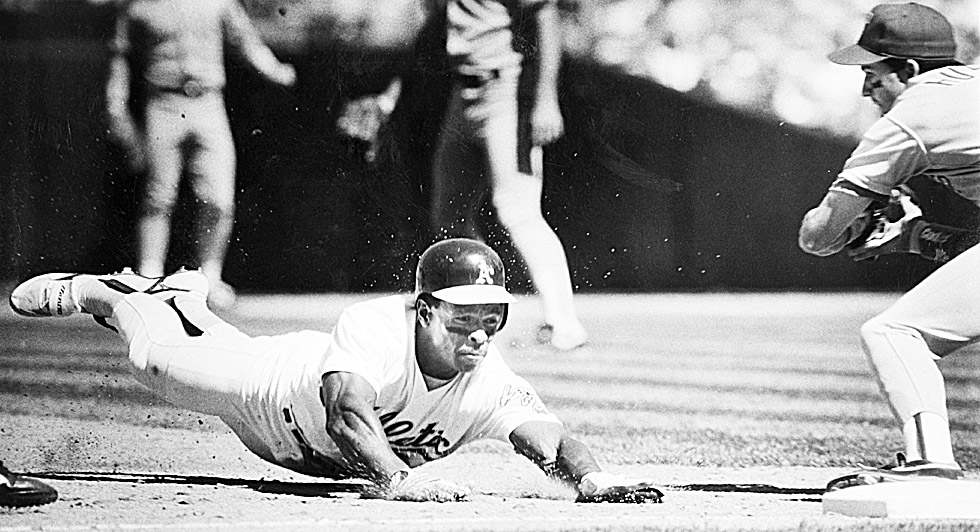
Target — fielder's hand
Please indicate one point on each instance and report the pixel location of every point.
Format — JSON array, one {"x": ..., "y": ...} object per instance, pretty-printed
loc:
[
  {"x": 413, "y": 486},
  {"x": 909, "y": 232},
  {"x": 885, "y": 235},
  {"x": 600, "y": 486}
]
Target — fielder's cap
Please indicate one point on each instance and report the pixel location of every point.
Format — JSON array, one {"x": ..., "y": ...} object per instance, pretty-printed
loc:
[
  {"x": 462, "y": 271},
  {"x": 903, "y": 31}
]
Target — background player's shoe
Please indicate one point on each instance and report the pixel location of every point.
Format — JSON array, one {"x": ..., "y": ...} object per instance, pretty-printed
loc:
[
  {"x": 18, "y": 490},
  {"x": 56, "y": 294},
  {"x": 562, "y": 340},
  {"x": 900, "y": 471},
  {"x": 222, "y": 295}
]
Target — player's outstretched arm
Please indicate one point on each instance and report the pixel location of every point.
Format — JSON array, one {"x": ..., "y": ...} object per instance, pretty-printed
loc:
[
  {"x": 568, "y": 460},
  {"x": 837, "y": 221},
  {"x": 359, "y": 434}
]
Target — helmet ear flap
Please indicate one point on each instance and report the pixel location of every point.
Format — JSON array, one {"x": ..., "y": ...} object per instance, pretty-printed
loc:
[{"x": 503, "y": 317}]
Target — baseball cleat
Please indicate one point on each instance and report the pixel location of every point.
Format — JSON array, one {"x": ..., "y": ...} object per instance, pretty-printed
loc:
[
  {"x": 900, "y": 471},
  {"x": 56, "y": 294},
  {"x": 18, "y": 490},
  {"x": 561, "y": 340}
]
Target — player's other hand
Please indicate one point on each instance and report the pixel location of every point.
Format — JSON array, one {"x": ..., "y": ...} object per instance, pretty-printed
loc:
[
  {"x": 413, "y": 486},
  {"x": 889, "y": 224},
  {"x": 547, "y": 124},
  {"x": 285, "y": 75},
  {"x": 600, "y": 486}
]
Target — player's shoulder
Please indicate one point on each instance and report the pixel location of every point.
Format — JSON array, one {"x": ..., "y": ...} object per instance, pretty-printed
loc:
[
  {"x": 392, "y": 307},
  {"x": 944, "y": 83}
]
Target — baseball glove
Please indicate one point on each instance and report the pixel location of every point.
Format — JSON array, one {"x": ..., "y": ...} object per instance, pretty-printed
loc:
[
  {"x": 900, "y": 228},
  {"x": 600, "y": 486},
  {"x": 412, "y": 486}
]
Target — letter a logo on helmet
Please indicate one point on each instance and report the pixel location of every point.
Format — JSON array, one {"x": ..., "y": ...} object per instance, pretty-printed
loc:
[{"x": 462, "y": 271}]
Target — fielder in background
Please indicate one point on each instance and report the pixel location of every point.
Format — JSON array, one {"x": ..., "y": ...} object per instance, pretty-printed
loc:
[
  {"x": 930, "y": 129},
  {"x": 486, "y": 144},
  {"x": 400, "y": 381},
  {"x": 17, "y": 491},
  {"x": 168, "y": 64}
]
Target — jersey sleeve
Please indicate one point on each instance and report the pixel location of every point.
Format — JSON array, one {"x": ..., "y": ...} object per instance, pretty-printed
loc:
[
  {"x": 888, "y": 154},
  {"x": 361, "y": 341},
  {"x": 515, "y": 402}
]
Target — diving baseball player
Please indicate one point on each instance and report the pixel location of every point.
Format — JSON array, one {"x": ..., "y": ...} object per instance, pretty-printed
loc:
[
  {"x": 399, "y": 382},
  {"x": 930, "y": 129}
]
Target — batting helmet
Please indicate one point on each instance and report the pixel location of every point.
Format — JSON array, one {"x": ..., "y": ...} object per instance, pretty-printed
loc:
[{"x": 462, "y": 271}]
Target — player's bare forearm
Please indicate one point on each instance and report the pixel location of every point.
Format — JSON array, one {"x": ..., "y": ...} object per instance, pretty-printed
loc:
[
  {"x": 242, "y": 37},
  {"x": 830, "y": 226},
  {"x": 356, "y": 429},
  {"x": 560, "y": 456}
]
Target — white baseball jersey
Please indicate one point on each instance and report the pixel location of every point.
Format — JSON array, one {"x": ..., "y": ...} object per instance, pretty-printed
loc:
[
  {"x": 376, "y": 340},
  {"x": 933, "y": 129}
]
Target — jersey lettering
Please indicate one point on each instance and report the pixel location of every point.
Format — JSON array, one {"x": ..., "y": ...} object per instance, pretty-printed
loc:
[
  {"x": 936, "y": 237},
  {"x": 428, "y": 444},
  {"x": 953, "y": 76},
  {"x": 523, "y": 397}
]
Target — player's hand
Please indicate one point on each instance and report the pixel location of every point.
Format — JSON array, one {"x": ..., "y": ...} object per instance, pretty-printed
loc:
[
  {"x": 547, "y": 124},
  {"x": 600, "y": 486},
  {"x": 413, "y": 486},
  {"x": 285, "y": 75},
  {"x": 122, "y": 131},
  {"x": 889, "y": 223}
]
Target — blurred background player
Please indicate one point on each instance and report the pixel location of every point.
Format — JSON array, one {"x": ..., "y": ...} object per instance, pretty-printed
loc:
[
  {"x": 930, "y": 129},
  {"x": 484, "y": 145},
  {"x": 168, "y": 63},
  {"x": 18, "y": 490},
  {"x": 400, "y": 381}
]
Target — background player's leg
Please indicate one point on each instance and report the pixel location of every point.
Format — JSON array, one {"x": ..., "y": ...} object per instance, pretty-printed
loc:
[
  {"x": 457, "y": 185},
  {"x": 211, "y": 170},
  {"x": 933, "y": 319},
  {"x": 517, "y": 201},
  {"x": 159, "y": 191}
]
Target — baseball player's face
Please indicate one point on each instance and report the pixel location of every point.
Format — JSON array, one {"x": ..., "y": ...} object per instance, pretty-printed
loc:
[
  {"x": 463, "y": 332},
  {"x": 882, "y": 84}
]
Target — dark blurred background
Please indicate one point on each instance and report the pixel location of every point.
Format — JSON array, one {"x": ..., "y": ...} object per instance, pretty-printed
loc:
[{"x": 698, "y": 133}]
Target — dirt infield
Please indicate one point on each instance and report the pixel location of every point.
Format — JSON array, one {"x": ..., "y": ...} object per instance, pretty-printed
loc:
[{"x": 741, "y": 406}]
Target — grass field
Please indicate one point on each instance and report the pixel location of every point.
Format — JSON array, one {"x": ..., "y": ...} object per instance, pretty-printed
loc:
[{"x": 741, "y": 405}]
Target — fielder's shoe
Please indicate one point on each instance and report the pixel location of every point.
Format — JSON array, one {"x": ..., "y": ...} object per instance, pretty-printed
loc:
[
  {"x": 18, "y": 490},
  {"x": 56, "y": 294},
  {"x": 900, "y": 471}
]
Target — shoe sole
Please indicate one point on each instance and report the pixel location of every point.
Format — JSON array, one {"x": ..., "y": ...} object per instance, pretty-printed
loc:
[{"x": 870, "y": 478}]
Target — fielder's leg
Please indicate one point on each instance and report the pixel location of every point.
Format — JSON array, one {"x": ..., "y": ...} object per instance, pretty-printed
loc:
[{"x": 935, "y": 318}]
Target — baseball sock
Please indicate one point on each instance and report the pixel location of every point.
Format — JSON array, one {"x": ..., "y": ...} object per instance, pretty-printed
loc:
[
  {"x": 927, "y": 438},
  {"x": 94, "y": 296}
]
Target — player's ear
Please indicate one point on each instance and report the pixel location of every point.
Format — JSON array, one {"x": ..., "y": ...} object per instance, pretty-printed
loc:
[
  {"x": 423, "y": 312},
  {"x": 911, "y": 69}
]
